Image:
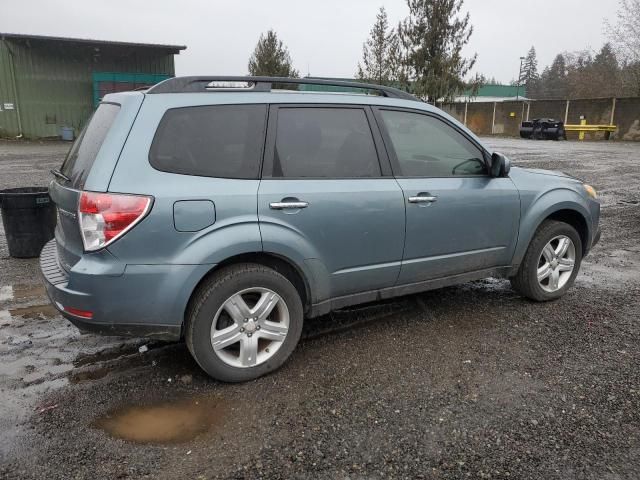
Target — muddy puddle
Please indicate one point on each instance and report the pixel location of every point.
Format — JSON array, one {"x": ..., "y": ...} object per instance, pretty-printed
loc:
[
  {"x": 17, "y": 316},
  {"x": 21, "y": 292},
  {"x": 173, "y": 422},
  {"x": 34, "y": 312}
]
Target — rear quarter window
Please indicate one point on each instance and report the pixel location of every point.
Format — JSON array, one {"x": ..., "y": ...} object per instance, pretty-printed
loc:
[
  {"x": 224, "y": 141},
  {"x": 84, "y": 151}
]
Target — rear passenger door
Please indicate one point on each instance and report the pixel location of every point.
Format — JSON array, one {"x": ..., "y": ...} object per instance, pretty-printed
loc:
[{"x": 324, "y": 192}]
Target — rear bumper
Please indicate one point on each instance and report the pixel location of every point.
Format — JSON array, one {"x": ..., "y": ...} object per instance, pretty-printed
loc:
[
  {"x": 159, "y": 332},
  {"x": 143, "y": 301}
]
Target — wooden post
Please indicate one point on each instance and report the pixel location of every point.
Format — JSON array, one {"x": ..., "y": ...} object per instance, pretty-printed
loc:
[
  {"x": 566, "y": 113},
  {"x": 613, "y": 112},
  {"x": 583, "y": 121},
  {"x": 466, "y": 105},
  {"x": 493, "y": 119},
  {"x": 528, "y": 110}
]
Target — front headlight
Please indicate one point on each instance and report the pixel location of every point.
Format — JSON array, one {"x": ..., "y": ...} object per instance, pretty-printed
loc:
[{"x": 590, "y": 191}]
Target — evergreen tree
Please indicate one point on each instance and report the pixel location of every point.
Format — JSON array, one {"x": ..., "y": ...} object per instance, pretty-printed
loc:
[
  {"x": 271, "y": 58},
  {"x": 433, "y": 36},
  {"x": 479, "y": 80},
  {"x": 578, "y": 66},
  {"x": 553, "y": 81},
  {"x": 381, "y": 54},
  {"x": 604, "y": 74},
  {"x": 530, "y": 78}
]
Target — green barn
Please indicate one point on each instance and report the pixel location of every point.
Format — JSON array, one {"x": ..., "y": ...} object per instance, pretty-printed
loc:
[{"x": 48, "y": 84}]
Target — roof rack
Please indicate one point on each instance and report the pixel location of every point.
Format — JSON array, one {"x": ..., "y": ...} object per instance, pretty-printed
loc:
[{"x": 265, "y": 84}]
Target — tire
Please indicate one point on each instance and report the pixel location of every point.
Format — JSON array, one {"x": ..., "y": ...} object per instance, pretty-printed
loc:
[
  {"x": 535, "y": 134},
  {"x": 526, "y": 280},
  {"x": 212, "y": 301}
]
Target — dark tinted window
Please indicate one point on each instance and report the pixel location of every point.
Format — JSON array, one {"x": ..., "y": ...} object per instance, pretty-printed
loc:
[
  {"x": 428, "y": 147},
  {"x": 211, "y": 141},
  {"x": 85, "y": 149},
  {"x": 324, "y": 142}
]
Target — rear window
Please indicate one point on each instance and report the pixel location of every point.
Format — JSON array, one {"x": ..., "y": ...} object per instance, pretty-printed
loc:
[
  {"x": 222, "y": 141},
  {"x": 85, "y": 149}
]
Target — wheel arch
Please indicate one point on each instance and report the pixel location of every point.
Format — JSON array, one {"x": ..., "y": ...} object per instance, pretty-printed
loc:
[
  {"x": 554, "y": 205},
  {"x": 576, "y": 220},
  {"x": 280, "y": 264}
]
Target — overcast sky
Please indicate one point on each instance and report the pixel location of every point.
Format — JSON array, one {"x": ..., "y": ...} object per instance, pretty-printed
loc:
[{"x": 324, "y": 37}]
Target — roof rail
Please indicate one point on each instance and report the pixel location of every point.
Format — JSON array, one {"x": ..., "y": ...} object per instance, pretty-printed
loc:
[{"x": 265, "y": 84}]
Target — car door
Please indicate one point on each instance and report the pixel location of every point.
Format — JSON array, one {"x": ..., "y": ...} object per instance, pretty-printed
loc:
[
  {"x": 325, "y": 196},
  {"x": 459, "y": 218}
]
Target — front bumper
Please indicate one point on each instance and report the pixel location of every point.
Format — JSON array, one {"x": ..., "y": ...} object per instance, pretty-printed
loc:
[{"x": 145, "y": 300}]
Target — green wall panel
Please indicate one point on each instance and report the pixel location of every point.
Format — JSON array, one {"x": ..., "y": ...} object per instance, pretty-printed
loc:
[{"x": 55, "y": 80}]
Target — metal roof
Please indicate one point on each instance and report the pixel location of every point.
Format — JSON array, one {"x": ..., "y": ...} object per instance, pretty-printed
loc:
[
  {"x": 501, "y": 91},
  {"x": 45, "y": 38}
]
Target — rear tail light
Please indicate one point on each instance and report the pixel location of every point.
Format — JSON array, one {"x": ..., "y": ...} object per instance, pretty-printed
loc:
[
  {"x": 105, "y": 217},
  {"x": 79, "y": 313},
  {"x": 75, "y": 311}
]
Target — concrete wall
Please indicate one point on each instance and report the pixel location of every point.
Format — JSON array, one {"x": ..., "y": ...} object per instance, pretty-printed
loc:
[{"x": 504, "y": 118}]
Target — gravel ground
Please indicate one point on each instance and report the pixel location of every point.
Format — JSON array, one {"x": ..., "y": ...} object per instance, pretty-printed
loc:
[{"x": 465, "y": 382}]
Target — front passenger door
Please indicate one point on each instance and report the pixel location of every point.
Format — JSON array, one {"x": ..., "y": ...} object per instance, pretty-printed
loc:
[{"x": 459, "y": 219}]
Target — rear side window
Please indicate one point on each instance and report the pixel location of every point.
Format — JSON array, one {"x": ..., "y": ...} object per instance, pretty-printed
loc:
[
  {"x": 324, "y": 143},
  {"x": 85, "y": 149},
  {"x": 211, "y": 141}
]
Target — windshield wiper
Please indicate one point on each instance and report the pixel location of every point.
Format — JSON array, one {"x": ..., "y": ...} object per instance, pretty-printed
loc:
[{"x": 61, "y": 175}]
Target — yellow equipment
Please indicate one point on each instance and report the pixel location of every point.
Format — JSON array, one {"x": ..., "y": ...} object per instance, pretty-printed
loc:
[{"x": 583, "y": 127}]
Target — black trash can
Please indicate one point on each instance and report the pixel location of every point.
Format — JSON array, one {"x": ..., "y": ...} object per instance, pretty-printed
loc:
[{"x": 29, "y": 219}]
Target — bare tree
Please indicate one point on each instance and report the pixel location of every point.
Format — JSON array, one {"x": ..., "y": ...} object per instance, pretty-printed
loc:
[{"x": 624, "y": 34}]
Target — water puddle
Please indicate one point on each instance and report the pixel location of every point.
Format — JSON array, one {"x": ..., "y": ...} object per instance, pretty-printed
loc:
[
  {"x": 163, "y": 423},
  {"x": 36, "y": 312},
  {"x": 21, "y": 292}
]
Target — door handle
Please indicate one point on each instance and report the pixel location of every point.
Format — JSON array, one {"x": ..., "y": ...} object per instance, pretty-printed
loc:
[
  {"x": 288, "y": 205},
  {"x": 425, "y": 199}
]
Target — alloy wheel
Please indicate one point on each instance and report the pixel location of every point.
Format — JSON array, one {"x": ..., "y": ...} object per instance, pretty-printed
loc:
[
  {"x": 250, "y": 327},
  {"x": 556, "y": 263}
]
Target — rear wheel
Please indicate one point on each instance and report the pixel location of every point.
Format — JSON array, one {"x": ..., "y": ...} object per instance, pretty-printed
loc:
[
  {"x": 551, "y": 263},
  {"x": 243, "y": 322}
]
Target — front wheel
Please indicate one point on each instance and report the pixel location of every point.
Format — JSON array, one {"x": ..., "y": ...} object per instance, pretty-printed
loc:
[
  {"x": 551, "y": 263},
  {"x": 243, "y": 322}
]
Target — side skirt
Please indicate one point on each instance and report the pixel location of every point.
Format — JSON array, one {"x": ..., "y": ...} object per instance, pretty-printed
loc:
[{"x": 337, "y": 303}]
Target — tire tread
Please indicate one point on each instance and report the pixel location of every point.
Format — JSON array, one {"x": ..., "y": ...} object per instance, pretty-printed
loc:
[
  {"x": 209, "y": 286},
  {"x": 521, "y": 282}
]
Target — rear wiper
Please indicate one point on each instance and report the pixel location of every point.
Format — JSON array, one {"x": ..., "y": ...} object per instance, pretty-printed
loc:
[{"x": 61, "y": 175}]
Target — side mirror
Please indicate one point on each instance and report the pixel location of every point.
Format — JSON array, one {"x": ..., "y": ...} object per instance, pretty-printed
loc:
[{"x": 500, "y": 165}]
